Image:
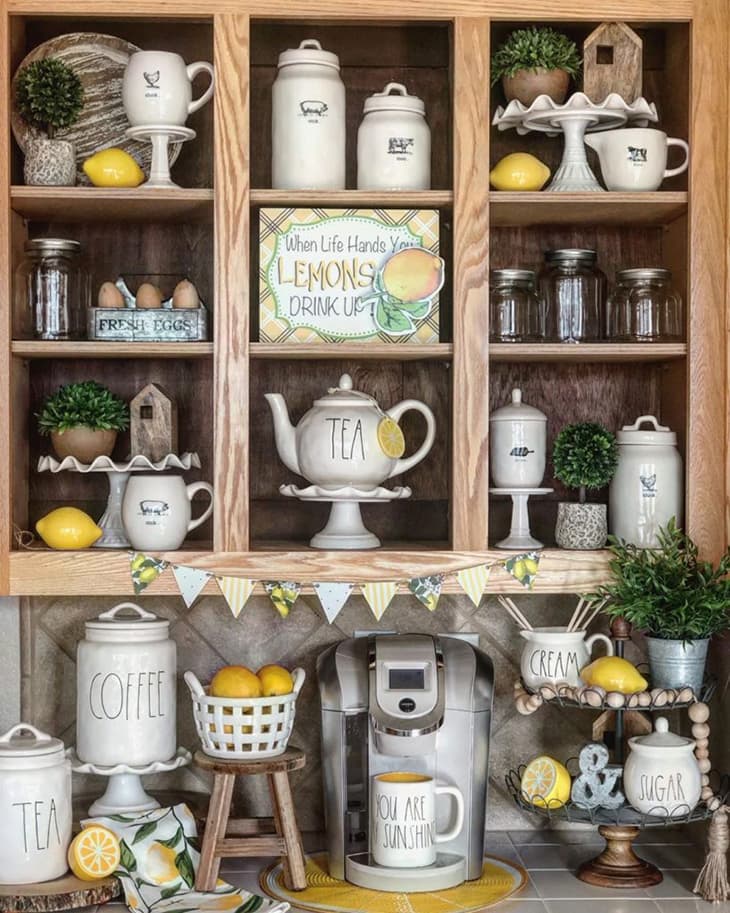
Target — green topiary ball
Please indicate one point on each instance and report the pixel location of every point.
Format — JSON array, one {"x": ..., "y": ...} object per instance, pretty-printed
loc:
[
  {"x": 585, "y": 455},
  {"x": 49, "y": 95}
]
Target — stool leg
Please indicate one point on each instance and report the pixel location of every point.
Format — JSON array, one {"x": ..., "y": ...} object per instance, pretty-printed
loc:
[
  {"x": 215, "y": 830},
  {"x": 286, "y": 825}
]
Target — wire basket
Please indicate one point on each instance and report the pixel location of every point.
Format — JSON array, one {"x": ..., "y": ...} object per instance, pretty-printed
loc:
[{"x": 244, "y": 727}]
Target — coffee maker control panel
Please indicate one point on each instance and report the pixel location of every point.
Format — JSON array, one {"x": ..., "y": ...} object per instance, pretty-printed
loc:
[{"x": 406, "y": 675}]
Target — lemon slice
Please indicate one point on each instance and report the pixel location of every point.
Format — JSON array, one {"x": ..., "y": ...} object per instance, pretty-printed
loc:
[
  {"x": 546, "y": 782},
  {"x": 391, "y": 439},
  {"x": 94, "y": 853}
]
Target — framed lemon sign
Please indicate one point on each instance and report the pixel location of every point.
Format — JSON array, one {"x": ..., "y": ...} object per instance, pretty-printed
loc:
[{"x": 363, "y": 275}]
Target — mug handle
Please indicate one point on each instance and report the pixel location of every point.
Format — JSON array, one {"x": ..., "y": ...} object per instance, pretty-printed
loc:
[
  {"x": 192, "y": 70},
  {"x": 395, "y": 413},
  {"x": 594, "y": 637},
  {"x": 459, "y": 799},
  {"x": 191, "y": 490},
  {"x": 673, "y": 141}
]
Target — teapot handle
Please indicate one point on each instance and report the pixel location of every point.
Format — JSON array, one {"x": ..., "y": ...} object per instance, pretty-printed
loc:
[{"x": 395, "y": 413}]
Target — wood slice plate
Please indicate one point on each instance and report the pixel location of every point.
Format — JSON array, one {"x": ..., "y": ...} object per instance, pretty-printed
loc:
[
  {"x": 64, "y": 893},
  {"x": 100, "y": 62}
]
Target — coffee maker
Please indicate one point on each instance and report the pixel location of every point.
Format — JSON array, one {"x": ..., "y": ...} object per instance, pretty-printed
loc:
[{"x": 414, "y": 702}]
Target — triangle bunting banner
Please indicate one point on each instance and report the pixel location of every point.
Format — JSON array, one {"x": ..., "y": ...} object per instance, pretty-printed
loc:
[
  {"x": 332, "y": 597},
  {"x": 191, "y": 582},
  {"x": 144, "y": 570},
  {"x": 524, "y": 568},
  {"x": 427, "y": 590},
  {"x": 473, "y": 581},
  {"x": 379, "y": 596},
  {"x": 236, "y": 591},
  {"x": 283, "y": 594}
]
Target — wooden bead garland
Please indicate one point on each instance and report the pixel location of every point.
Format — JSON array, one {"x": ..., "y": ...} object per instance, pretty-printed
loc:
[
  {"x": 699, "y": 712},
  {"x": 700, "y": 730}
]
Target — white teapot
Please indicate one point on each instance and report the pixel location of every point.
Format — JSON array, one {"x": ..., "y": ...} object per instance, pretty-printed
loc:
[{"x": 336, "y": 443}]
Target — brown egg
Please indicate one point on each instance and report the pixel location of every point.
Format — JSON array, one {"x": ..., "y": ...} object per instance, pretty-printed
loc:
[
  {"x": 185, "y": 295},
  {"x": 148, "y": 296},
  {"x": 109, "y": 296}
]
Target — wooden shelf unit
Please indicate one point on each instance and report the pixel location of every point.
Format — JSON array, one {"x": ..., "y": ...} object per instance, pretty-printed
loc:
[{"x": 208, "y": 231}]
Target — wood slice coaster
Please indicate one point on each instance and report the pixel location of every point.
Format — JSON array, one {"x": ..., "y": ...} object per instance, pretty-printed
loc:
[{"x": 64, "y": 893}]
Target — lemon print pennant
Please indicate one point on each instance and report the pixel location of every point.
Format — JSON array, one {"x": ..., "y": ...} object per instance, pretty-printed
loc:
[
  {"x": 283, "y": 594},
  {"x": 524, "y": 568},
  {"x": 144, "y": 570},
  {"x": 427, "y": 590}
]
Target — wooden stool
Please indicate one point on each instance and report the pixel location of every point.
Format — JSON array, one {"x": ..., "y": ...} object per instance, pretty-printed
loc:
[{"x": 252, "y": 836}]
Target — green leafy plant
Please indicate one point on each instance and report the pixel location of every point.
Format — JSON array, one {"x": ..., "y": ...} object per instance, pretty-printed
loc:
[
  {"x": 585, "y": 456},
  {"x": 535, "y": 49},
  {"x": 668, "y": 592},
  {"x": 88, "y": 404},
  {"x": 49, "y": 95}
]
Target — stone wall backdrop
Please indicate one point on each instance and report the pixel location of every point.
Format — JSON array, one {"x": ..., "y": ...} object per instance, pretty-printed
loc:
[{"x": 208, "y": 637}]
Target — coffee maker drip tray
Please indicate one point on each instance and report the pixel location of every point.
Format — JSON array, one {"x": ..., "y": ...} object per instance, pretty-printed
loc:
[{"x": 448, "y": 871}]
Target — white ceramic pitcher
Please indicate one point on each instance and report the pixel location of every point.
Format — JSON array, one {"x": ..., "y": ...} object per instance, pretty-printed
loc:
[{"x": 553, "y": 655}]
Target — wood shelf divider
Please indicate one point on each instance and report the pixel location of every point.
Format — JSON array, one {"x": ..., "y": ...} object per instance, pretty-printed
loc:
[
  {"x": 353, "y": 199},
  {"x": 586, "y": 353},
  {"x": 515, "y": 209},
  {"x": 442, "y": 351},
  {"x": 39, "y": 348},
  {"x": 112, "y": 204}
]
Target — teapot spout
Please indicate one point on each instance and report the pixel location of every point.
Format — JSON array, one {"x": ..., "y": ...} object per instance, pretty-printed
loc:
[{"x": 284, "y": 431}]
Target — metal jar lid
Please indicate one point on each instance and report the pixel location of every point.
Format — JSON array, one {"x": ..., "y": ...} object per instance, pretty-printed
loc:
[
  {"x": 46, "y": 245},
  {"x": 400, "y": 101},
  {"x": 512, "y": 275},
  {"x": 309, "y": 51},
  {"x": 571, "y": 253},
  {"x": 634, "y": 275}
]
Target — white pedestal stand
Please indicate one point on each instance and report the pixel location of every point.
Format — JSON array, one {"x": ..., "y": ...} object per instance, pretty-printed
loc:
[
  {"x": 125, "y": 793},
  {"x": 160, "y": 136},
  {"x": 573, "y": 119},
  {"x": 520, "y": 538},
  {"x": 345, "y": 529},
  {"x": 118, "y": 475}
]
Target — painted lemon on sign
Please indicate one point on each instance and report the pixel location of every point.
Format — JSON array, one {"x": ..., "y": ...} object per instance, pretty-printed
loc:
[
  {"x": 68, "y": 528},
  {"x": 613, "y": 673},
  {"x": 413, "y": 274},
  {"x": 546, "y": 782},
  {"x": 519, "y": 171}
]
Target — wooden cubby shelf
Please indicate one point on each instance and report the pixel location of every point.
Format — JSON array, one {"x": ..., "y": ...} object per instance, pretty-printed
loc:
[
  {"x": 351, "y": 199},
  {"x": 586, "y": 353},
  {"x": 104, "y": 204},
  {"x": 507, "y": 209},
  {"x": 37, "y": 348},
  {"x": 442, "y": 351}
]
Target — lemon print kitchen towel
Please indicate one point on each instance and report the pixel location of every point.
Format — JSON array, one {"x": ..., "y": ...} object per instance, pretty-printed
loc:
[{"x": 159, "y": 859}]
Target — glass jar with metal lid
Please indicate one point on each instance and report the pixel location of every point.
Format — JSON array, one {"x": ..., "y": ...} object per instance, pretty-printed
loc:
[
  {"x": 573, "y": 291},
  {"x": 53, "y": 288},
  {"x": 515, "y": 311},
  {"x": 644, "y": 307}
]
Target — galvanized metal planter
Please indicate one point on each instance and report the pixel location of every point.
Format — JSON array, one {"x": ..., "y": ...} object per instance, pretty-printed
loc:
[{"x": 677, "y": 663}]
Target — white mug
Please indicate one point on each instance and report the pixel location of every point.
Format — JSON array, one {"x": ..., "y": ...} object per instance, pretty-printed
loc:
[
  {"x": 156, "y": 510},
  {"x": 635, "y": 158},
  {"x": 157, "y": 89},
  {"x": 403, "y": 819}
]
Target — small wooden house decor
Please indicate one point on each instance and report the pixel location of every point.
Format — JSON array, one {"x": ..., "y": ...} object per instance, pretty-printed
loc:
[
  {"x": 153, "y": 423},
  {"x": 612, "y": 57}
]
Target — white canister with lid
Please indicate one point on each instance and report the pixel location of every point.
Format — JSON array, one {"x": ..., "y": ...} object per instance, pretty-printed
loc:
[
  {"x": 647, "y": 489},
  {"x": 126, "y": 689},
  {"x": 661, "y": 774},
  {"x": 394, "y": 142},
  {"x": 308, "y": 120},
  {"x": 517, "y": 434},
  {"x": 35, "y": 806}
]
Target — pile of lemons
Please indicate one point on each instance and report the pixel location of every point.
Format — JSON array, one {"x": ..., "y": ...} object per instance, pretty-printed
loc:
[{"x": 239, "y": 681}]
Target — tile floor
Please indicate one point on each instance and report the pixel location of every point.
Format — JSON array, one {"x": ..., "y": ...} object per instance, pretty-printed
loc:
[{"x": 550, "y": 857}]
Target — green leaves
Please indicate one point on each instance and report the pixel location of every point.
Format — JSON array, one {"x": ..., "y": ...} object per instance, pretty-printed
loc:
[
  {"x": 127, "y": 859},
  {"x": 585, "y": 455},
  {"x": 145, "y": 831},
  {"x": 184, "y": 866},
  {"x": 395, "y": 316},
  {"x": 535, "y": 48},
  {"x": 173, "y": 841},
  {"x": 49, "y": 94},
  {"x": 87, "y": 404}
]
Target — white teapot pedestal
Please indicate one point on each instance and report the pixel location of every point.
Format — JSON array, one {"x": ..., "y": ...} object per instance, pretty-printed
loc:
[
  {"x": 345, "y": 529},
  {"x": 520, "y": 538},
  {"x": 160, "y": 136}
]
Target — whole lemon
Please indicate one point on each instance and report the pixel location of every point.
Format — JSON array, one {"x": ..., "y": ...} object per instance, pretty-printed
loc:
[
  {"x": 613, "y": 673},
  {"x": 68, "y": 528},
  {"x": 546, "y": 782},
  {"x": 519, "y": 171},
  {"x": 113, "y": 168},
  {"x": 235, "y": 681},
  {"x": 275, "y": 680}
]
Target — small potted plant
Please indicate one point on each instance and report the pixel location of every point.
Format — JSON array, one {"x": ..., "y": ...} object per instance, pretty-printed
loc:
[
  {"x": 49, "y": 97},
  {"x": 585, "y": 456},
  {"x": 676, "y": 599},
  {"x": 535, "y": 61},
  {"x": 83, "y": 420}
]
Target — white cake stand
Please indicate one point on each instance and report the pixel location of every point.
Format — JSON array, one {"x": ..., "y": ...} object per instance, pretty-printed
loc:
[
  {"x": 345, "y": 529},
  {"x": 573, "y": 119},
  {"x": 160, "y": 136},
  {"x": 125, "y": 793},
  {"x": 520, "y": 538},
  {"x": 113, "y": 535}
]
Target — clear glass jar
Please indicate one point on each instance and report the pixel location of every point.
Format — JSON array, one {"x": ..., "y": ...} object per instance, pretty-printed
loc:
[
  {"x": 515, "y": 312},
  {"x": 644, "y": 307},
  {"x": 54, "y": 287},
  {"x": 573, "y": 291}
]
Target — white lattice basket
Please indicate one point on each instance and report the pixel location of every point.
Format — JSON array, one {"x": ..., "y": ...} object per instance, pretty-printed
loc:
[{"x": 246, "y": 727}]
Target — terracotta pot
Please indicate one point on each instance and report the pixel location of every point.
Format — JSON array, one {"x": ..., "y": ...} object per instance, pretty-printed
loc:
[
  {"x": 50, "y": 162},
  {"x": 526, "y": 85},
  {"x": 83, "y": 443}
]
